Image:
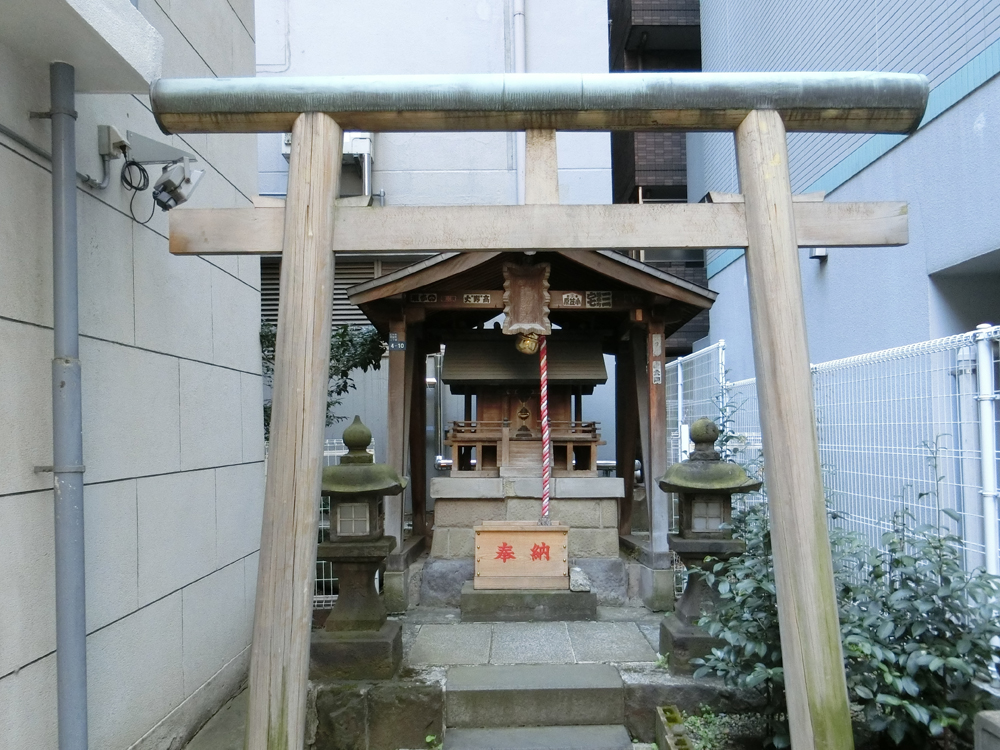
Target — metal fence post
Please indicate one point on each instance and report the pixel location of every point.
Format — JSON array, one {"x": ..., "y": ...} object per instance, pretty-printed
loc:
[
  {"x": 680, "y": 409},
  {"x": 988, "y": 444}
]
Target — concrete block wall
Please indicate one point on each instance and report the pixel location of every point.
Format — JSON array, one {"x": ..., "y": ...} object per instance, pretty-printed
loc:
[{"x": 173, "y": 440}]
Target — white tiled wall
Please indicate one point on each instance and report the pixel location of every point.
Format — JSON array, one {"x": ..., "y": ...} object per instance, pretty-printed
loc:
[{"x": 173, "y": 434}]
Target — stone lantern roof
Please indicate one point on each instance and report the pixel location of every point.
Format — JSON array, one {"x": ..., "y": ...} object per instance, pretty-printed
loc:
[
  {"x": 705, "y": 471},
  {"x": 358, "y": 474}
]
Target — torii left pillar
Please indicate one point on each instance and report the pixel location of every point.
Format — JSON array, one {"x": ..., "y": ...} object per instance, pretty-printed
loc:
[{"x": 279, "y": 660}]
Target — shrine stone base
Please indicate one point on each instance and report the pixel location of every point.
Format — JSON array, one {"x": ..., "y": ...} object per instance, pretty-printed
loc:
[
  {"x": 513, "y": 605},
  {"x": 356, "y": 654},
  {"x": 588, "y": 505},
  {"x": 442, "y": 581}
]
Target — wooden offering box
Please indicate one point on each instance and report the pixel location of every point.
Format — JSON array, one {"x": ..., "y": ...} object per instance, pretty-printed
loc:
[{"x": 521, "y": 555}]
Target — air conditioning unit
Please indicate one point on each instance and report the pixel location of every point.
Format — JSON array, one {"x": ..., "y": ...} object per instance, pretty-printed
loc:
[{"x": 356, "y": 165}]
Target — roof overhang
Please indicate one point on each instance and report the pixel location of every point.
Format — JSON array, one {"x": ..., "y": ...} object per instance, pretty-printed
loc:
[
  {"x": 111, "y": 45},
  {"x": 854, "y": 102}
]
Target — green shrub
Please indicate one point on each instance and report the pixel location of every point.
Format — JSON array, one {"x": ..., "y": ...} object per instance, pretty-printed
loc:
[
  {"x": 351, "y": 347},
  {"x": 918, "y": 630}
]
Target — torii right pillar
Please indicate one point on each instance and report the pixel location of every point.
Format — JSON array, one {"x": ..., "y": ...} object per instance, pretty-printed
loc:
[{"x": 812, "y": 656}]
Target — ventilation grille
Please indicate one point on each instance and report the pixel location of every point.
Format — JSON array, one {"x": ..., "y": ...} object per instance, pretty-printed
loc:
[{"x": 347, "y": 274}]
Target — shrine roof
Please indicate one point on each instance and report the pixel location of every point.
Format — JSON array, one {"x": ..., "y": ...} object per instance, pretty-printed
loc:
[
  {"x": 575, "y": 269},
  {"x": 487, "y": 360}
]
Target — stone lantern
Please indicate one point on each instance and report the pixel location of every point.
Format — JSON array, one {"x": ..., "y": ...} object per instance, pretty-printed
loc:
[
  {"x": 357, "y": 641},
  {"x": 705, "y": 485}
]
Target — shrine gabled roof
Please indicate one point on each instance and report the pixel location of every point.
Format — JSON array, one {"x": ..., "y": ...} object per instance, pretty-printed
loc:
[
  {"x": 618, "y": 271},
  {"x": 487, "y": 360}
]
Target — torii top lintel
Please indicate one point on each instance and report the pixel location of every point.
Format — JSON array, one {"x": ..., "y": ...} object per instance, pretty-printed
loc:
[{"x": 850, "y": 102}]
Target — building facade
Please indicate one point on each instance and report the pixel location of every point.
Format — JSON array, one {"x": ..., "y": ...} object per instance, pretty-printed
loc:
[
  {"x": 301, "y": 37},
  {"x": 172, "y": 429},
  {"x": 858, "y": 300}
]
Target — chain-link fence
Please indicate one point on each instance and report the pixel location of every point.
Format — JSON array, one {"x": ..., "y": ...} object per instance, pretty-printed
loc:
[{"x": 909, "y": 429}]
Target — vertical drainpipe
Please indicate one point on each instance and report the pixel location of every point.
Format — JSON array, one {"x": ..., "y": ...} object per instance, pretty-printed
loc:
[
  {"x": 988, "y": 446},
  {"x": 67, "y": 422},
  {"x": 520, "y": 66}
]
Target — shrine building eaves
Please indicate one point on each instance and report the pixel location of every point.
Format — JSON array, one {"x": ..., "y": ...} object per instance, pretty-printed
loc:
[
  {"x": 854, "y": 102},
  {"x": 622, "y": 269}
]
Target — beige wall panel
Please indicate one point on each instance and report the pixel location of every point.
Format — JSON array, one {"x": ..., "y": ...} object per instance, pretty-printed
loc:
[
  {"x": 25, "y": 695},
  {"x": 131, "y": 423},
  {"x": 25, "y": 240},
  {"x": 174, "y": 300},
  {"x": 235, "y": 323},
  {"x": 135, "y": 674},
  {"x": 105, "y": 261},
  {"x": 180, "y": 60},
  {"x": 252, "y": 399},
  {"x": 25, "y": 407},
  {"x": 239, "y": 508},
  {"x": 27, "y": 586},
  {"x": 212, "y": 635},
  {"x": 211, "y": 416},
  {"x": 112, "y": 552},
  {"x": 176, "y": 531}
]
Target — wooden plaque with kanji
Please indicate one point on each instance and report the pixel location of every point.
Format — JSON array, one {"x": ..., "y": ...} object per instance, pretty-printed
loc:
[
  {"x": 521, "y": 555},
  {"x": 526, "y": 299}
]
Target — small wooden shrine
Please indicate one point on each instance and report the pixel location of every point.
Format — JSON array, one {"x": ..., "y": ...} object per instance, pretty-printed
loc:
[{"x": 489, "y": 312}]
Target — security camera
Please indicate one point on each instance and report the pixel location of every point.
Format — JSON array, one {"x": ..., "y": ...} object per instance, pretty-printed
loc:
[{"x": 176, "y": 183}]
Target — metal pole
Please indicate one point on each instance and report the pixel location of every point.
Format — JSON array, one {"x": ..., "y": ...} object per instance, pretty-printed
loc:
[
  {"x": 520, "y": 66},
  {"x": 680, "y": 409},
  {"x": 67, "y": 422},
  {"x": 988, "y": 445}
]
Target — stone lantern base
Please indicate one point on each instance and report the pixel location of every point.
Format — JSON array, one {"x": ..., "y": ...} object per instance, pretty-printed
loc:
[
  {"x": 357, "y": 654},
  {"x": 357, "y": 641},
  {"x": 680, "y": 637}
]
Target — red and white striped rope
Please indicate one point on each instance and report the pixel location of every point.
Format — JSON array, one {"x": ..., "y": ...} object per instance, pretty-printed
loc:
[{"x": 546, "y": 438}]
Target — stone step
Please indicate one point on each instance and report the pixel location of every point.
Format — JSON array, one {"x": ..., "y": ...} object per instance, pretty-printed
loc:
[
  {"x": 601, "y": 737},
  {"x": 534, "y": 695}
]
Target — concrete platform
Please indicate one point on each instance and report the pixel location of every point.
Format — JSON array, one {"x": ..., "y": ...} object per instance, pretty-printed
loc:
[
  {"x": 540, "y": 738},
  {"x": 534, "y": 695},
  {"x": 514, "y": 605},
  {"x": 508, "y": 643}
]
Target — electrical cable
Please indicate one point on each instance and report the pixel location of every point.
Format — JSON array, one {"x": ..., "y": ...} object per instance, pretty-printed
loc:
[{"x": 136, "y": 185}]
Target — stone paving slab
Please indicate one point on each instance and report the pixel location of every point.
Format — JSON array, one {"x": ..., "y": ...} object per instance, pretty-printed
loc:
[
  {"x": 531, "y": 643},
  {"x": 539, "y": 738},
  {"x": 461, "y": 643},
  {"x": 609, "y": 642},
  {"x": 225, "y": 730},
  {"x": 652, "y": 633}
]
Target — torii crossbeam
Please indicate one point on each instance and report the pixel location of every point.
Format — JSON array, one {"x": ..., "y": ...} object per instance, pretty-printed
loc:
[{"x": 759, "y": 108}]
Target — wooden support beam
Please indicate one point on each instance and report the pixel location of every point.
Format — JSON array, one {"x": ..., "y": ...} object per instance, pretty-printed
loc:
[
  {"x": 637, "y": 341},
  {"x": 425, "y": 229},
  {"x": 400, "y": 353},
  {"x": 626, "y": 432},
  {"x": 279, "y": 661},
  {"x": 657, "y": 459},
  {"x": 418, "y": 443},
  {"x": 541, "y": 167},
  {"x": 811, "y": 650}
]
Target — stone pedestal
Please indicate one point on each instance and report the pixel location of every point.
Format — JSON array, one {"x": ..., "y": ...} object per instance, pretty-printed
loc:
[
  {"x": 356, "y": 654},
  {"x": 357, "y": 642},
  {"x": 358, "y": 606},
  {"x": 680, "y": 636}
]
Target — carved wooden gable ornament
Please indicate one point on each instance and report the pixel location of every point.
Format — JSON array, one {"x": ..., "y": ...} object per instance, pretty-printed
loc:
[{"x": 526, "y": 299}]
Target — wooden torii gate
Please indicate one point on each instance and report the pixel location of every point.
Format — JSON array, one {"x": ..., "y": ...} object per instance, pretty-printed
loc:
[{"x": 757, "y": 107}]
